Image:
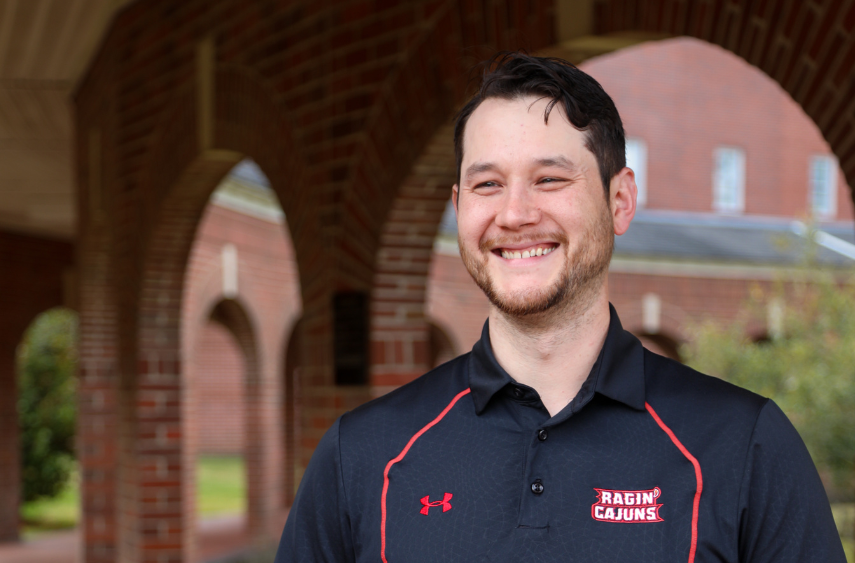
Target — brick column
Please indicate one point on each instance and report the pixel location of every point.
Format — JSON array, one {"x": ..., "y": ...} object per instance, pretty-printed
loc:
[
  {"x": 97, "y": 416},
  {"x": 400, "y": 335}
]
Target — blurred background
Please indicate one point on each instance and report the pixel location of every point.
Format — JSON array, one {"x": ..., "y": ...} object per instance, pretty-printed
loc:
[{"x": 224, "y": 223}]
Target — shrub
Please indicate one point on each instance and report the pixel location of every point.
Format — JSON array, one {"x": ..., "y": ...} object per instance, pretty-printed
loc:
[
  {"x": 47, "y": 412},
  {"x": 807, "y": 369}
]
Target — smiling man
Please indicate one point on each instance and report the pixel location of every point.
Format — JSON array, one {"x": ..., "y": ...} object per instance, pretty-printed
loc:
[{"x": 559, "y": 437}]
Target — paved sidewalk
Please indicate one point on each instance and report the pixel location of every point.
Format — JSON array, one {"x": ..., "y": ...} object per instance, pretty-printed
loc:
[{"x": 218, "y": 539}]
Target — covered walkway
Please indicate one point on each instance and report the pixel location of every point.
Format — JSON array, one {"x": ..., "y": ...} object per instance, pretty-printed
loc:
[{"x": 119, "y": 118}]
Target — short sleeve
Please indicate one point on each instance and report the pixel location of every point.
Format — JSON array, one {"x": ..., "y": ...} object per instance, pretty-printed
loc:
[
  {"x": 784, "y": 514},
  {"x": 318, "y": 525}
]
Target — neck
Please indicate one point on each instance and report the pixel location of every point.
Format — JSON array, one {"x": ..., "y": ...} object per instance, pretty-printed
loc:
[{"x": 552, "y": 352}]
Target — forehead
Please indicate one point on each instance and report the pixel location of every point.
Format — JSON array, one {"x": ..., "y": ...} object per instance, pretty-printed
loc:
[{"x": 514, "y": 129}]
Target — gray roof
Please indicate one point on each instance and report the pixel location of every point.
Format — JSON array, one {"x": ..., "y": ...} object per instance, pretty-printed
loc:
[{"x": 743, "y": 239}]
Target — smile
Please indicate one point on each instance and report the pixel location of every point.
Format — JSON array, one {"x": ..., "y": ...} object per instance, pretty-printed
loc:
[{"x": 532, "y": 252}]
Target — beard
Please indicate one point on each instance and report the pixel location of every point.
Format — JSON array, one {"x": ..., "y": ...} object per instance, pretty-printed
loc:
[{"x": 577, "y": 284}]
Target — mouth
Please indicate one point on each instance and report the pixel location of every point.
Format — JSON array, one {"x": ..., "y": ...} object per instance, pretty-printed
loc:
[{"x": 518, "y": 252}]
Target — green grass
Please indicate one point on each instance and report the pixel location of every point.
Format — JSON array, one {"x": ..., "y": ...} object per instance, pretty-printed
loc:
[
  {"x": 58, "y": 513},
  {"x": 220, "y": 490},
  {"x": 220, "y": 485}
]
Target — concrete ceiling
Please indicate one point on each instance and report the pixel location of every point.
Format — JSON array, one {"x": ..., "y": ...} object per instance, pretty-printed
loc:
[{"x": 45, "y": 46}]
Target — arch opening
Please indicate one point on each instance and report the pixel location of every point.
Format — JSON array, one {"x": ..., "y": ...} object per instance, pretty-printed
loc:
[
  {"x": 46, "y": 393},
  {"x": 241, "y": 295}
]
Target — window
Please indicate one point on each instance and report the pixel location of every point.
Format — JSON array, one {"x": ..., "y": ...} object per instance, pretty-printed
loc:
[
  {"x": 636, "y": 158},
  {"x": 729, "y": 180},
  {"x": 823, "y": 185}
]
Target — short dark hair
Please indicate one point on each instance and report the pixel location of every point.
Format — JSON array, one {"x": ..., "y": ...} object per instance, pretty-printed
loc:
[{"x": 511, "y": 75}]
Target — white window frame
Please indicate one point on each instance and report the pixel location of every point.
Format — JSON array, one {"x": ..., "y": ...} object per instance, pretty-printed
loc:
[
  {"x": 827, "y": 207},
  {"x": 729, "y": 184},
  {"x": 636, "y": 159}
]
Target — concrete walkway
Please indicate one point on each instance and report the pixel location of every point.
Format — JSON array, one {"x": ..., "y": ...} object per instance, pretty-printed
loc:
[{"x": 219, "y": 538}]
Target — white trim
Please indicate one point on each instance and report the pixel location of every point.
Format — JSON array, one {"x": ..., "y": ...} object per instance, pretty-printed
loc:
[
  {"x": 711, "y": 270},
  {"x": 826, "y": 240}
]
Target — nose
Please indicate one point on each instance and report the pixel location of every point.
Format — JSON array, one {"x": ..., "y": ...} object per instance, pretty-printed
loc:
[{"x": 519, "y": 209}]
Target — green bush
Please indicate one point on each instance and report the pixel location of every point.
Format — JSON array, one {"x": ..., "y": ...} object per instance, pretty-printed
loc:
[
  {"x": 47, "y": 412},
  {"x": 808, "y": 369}
]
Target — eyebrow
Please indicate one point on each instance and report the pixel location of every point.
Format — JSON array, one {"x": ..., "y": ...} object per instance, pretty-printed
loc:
[
  {"x": 556, "y": 161},
  {"x": 479, "y": 167}
]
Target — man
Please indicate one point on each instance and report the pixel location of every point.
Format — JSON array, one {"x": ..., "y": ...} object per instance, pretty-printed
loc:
[{"x": 558, "y": 438}]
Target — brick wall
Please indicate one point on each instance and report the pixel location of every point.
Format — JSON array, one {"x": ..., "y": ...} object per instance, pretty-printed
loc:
[
  {"x": 806, "y": 47},
  {"x": 684, "y": 97},
  {"x": 220, "y": 382}
]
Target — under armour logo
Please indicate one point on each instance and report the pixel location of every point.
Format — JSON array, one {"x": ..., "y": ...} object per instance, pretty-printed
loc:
[{"x": 446, "y": 506}]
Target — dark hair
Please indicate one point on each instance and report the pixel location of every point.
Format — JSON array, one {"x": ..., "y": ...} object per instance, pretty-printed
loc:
[{"x": 511, "y": 75}]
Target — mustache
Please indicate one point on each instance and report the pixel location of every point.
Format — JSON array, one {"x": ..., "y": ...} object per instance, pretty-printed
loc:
[{"x": 497, "y": 242}]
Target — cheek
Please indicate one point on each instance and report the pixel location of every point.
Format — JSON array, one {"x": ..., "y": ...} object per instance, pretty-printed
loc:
[{"x": 472, "y": 222}]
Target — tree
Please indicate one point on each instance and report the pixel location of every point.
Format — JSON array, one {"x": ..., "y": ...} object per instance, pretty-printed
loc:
[
  {"x": 808, "y": 369},
  {"x": 47, "y": 412}
]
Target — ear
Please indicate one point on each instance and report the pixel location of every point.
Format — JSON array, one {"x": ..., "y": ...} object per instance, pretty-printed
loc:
[
  {"x": 455, "y": 197},
  {"x": 622, "y": 199}
]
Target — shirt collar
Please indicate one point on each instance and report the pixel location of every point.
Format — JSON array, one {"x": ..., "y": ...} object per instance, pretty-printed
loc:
[{"x": 617, "y": 374}]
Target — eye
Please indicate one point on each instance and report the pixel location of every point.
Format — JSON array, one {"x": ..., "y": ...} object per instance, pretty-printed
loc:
[
  {"x": 487, "y": 184},
  {"x": 551, "y": 182}
]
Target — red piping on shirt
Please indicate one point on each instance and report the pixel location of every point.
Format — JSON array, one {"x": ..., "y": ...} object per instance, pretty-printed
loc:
[
  {"x": 698, "y": 477},
  {"x": 398, "y": 458}
]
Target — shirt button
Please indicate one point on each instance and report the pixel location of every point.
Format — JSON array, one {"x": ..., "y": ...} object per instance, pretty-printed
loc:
[
  {"x": 542, "y": 435},
  {"x": 518, "y": 393},
  {"x": 537, "y": 487}
]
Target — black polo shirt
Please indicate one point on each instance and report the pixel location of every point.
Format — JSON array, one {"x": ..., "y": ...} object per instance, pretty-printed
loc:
[{"x": 650, "y": 462}]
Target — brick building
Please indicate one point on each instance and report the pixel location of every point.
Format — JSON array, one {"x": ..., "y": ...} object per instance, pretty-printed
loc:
[{"x": 119, "y": 119}]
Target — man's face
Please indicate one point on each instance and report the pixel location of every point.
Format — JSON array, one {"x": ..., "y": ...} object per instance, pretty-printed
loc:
[{"x": 535, "y": 228}]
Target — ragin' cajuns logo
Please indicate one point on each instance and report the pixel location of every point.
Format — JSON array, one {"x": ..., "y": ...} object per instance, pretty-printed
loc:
[{"x": 629, "y": 507}]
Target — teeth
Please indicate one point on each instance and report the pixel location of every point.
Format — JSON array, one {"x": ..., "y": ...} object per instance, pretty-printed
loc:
[{"x": 515, "y": 254}]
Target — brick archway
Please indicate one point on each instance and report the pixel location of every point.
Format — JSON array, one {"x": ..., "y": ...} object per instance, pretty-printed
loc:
[
  {"x": 31, "y": 283},
  {"x": 262, "y": 465},
  {"x": 400, "y": 333},
  {"x": 806, "y": 47},
  {"x": 419, "y": 97},
  {"x": 182, "y": 171},
  {"x": 177, "y": 94}
]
